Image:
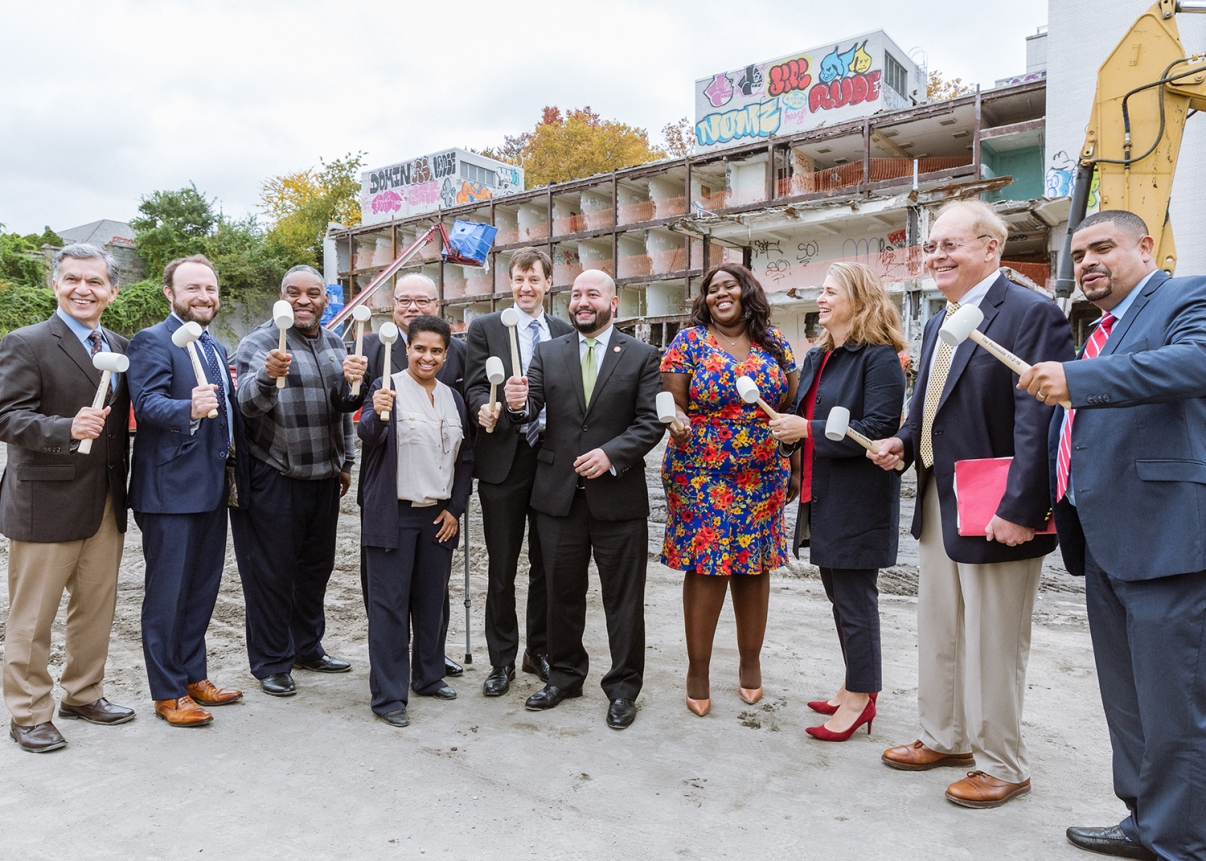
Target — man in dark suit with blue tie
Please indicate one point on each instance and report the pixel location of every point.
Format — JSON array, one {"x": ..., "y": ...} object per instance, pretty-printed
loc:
[
  {"x": 179, "y": 493},
  {"x": 1128, "y": 475}
]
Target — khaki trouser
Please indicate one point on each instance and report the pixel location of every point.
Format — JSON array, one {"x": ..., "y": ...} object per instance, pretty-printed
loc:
[
  {"x": 37, "y": 575},
  {"x": 973, "y": 643}
]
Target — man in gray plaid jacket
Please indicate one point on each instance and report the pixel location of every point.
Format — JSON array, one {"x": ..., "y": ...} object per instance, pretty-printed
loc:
[{"x": 300, "y": 446}]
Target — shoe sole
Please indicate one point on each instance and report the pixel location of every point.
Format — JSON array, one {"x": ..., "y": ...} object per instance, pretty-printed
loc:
[
  {"x": 46, "y": 749},
  {"x": 204, "y": 704},
  {"x": 942, "y": 763},
  {"x": 391, "y": 723},
  {"x": 71, "y": 716},
  {"x": 987, "y": 805},
  {"x": 279, "y": 693},
  {"x": 322, "y": 670},
  {"x": 162, "y": 717}
]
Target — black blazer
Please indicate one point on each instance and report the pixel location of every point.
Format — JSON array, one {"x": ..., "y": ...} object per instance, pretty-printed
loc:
[
  {"x": 49, "y": 493},
  {"x": 983, "y": 414},
  {"x": 855, "y": 511},
  {"x": 494, "y": 452},
  {"x": 452, "y": 374},
  {"x": 379, "y": 476},
  {"x": 622, "y": 420}
]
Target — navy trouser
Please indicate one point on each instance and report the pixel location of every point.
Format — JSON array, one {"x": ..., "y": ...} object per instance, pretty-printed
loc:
[
  {"x": 1149, "y": 642},
  {"x": 406, "y": 589},
  {"x": 184, "y": 556},
  {"x": 855, "y": 598},
  {"x": 285, "y": 545}
]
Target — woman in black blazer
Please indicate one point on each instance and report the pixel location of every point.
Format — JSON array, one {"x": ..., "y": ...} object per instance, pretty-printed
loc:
[{"x": 849, "y": 508}]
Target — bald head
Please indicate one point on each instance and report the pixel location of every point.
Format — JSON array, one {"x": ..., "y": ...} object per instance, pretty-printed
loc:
[{"x": 414, "y": 295}]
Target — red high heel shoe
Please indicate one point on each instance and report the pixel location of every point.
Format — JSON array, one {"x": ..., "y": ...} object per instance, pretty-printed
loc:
[
  {"x": 866, "y": 717},
  {"x": 823, "y": 706}
]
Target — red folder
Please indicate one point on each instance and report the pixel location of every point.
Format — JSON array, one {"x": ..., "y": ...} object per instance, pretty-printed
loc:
[{"x": 979, "y": 486}]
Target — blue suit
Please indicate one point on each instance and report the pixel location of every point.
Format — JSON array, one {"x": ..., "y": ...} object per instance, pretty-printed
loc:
[
  {"x": 1137, "y": 535},
  {"x": 178, "y": 494}
]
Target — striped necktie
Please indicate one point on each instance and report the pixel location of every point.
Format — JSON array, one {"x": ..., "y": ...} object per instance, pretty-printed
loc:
[
  {"x": 933, "y": 392},
  {"x": 1063, "y": 461}
]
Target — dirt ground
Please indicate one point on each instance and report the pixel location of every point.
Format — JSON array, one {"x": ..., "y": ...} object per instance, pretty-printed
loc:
[{"x": 315, "y": 776}]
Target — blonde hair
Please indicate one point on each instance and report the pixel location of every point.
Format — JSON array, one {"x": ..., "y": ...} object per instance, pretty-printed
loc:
[
  {"x": 875, "y": 318},
  {"x": 985, "y": 221}
]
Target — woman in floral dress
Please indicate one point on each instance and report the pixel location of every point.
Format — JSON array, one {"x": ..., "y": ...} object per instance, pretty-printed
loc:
[{"x": 725, "y": 484}]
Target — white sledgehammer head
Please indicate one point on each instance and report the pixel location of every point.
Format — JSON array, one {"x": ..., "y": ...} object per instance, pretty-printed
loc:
[
  {"x": 495, "y": 372},
  {"x": 748, "y": 390},
  {"x": 282, "y": 315},
  {"x": 388, "y": 333},
  {"x": 186, "y": 334},
  {"x": 509, "y": 317},
  {"x": 666, "y": 412},
  {"x": 837, "y": 423},
  {"x": 961, "y": 324},
  {"x": 113, "y": 362},
  {"x": 361, "y": 314}
]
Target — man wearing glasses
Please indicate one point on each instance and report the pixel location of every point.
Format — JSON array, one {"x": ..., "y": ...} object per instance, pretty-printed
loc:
[
  {"x": 975, "y": 597},
  {"x": 415, "y": 296}
]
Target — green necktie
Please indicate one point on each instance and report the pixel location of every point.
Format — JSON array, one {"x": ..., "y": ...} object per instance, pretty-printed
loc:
[{"x": 590, "y": 371}]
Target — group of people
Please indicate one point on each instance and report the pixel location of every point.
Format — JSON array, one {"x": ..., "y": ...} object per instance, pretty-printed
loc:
[{"x": 558, "y": 451}]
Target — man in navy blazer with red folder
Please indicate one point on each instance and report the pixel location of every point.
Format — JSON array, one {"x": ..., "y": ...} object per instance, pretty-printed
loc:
[
  {"x": 976, "y": 594},
  {"x": 1128, "y": 475}
]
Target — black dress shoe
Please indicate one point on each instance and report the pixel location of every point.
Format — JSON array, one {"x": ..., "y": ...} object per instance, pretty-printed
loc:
[
  {"x": 278, "y": 685},
  {"x": 1110, "y": 841},
  {"x": 499, "y": 680},
  {"x": 443, "y": 692},
  {"x": 621, "y": 714},
  {"x": 538, "y": 664},
  {"x": 325, "y": 664},
  {"x": 549, "y": 697},
  {"x": 39, "y": 738},
  {"x": 398, "y": 717},
  {"x": 451, "y": 667},
  {"x": 100, "y": 712}
]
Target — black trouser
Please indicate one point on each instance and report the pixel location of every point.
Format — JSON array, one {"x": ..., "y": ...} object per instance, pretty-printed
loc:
[
  {"x": 447, "y": 599},
  {"x": 285, "y": 546},
  {"x": 184, "y": 556},
  {"x": 621, "y": 554},
  {"x": 504, "y": 512},
  {"x": 407, "y": 587},
  {"x": 1149, "y": 642},
  {"x": 855, "y": 599}
]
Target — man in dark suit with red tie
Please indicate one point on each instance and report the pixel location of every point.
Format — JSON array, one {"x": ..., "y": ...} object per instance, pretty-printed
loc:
[
  {"x": 975, "y": 597},
  {"x": 1129, "y": 482},
  {"x": 179, "y": 493}
]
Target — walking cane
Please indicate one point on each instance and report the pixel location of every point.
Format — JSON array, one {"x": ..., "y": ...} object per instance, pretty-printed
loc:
[{"x": 468, "y": 601}]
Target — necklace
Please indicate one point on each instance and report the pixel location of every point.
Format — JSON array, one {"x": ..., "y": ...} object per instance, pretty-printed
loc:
[{"x": 726, "y": 337}]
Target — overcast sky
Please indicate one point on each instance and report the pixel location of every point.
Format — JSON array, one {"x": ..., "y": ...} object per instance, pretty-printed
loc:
[{"x": 104, "y": 102}]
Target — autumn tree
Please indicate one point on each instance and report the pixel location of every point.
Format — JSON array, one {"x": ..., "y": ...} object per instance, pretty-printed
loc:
[
  {"x": 679, "y": 137},
  {"x": 299, "y": 206},
  {"x": 938, "y": 89},
  {"x": 573, "y": 145}
]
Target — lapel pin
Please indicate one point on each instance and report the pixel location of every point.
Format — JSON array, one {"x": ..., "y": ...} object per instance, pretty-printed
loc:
[{"x": 615, "y": 349}]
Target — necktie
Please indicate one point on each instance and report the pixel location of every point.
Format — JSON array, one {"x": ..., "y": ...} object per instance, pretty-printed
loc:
[
  {"x": 214, "y": 368},
  {"x": 1063, "y": 461},
  {"x": 95, "y": 340},
  {"x": 590, "y": 371},
  {"x": 933, "y": 392},
  {"x": 531, "y": 431}
]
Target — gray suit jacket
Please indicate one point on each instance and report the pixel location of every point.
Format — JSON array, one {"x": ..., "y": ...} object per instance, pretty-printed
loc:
[{"x": 48, "y": 493}]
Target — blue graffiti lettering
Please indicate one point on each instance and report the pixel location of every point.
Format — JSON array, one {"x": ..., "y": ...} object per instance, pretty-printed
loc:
[{"x": 757, "y": 120}]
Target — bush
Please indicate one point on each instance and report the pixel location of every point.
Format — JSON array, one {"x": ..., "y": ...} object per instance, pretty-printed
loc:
[
  {"x": 137, "y": 306},
  {"x": 21, "y": 305}
]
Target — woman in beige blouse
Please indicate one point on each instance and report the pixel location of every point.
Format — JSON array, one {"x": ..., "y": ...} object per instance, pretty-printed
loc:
[{"x": 415, "y": 482}]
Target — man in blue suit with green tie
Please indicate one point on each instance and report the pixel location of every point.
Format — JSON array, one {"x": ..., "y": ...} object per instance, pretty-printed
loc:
[
  {"x": 179, "y": 491},
  {"x": 1128, "y": 479}
]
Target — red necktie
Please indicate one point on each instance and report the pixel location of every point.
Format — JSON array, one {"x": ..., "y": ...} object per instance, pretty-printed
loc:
[{"x": 1063, "y": 463}]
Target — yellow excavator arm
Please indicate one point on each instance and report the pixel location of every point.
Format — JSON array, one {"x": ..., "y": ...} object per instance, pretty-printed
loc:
[{"x": 1146, "y": 89}]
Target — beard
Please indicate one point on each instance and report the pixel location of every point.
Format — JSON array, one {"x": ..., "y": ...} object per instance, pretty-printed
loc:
[
  {"x": 201, "y": 315},
  {"x": 1100, "y": 292},
  {"x": 599, "y": 323}
]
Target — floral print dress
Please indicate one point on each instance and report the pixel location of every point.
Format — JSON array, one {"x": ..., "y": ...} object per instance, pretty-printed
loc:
[{"x": 726, "y": 485}]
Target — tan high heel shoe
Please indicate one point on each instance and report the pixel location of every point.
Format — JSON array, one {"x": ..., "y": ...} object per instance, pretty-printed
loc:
[
  {"x": 750, "y": 695},
  {"x": 700, "y": 707}
]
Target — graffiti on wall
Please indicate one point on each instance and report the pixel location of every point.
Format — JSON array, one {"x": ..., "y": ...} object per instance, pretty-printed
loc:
[
  {"x": 845, "y": 79},
  {"x": 792, "y": 75},
  {"x": 758, "y": 120},
  {"x": 1058, "y": 181},
  {"x": 456, "y": 192}
]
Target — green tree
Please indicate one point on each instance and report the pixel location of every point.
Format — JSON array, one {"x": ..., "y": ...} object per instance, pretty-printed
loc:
[
  {"x": 301, "y": 204},
  {"x": 172, "y": 224},
  {"x": 248, "y": 265}
]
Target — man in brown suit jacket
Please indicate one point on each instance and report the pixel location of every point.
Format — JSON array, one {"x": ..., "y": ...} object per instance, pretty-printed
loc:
[{"x": 65, "y": 512}]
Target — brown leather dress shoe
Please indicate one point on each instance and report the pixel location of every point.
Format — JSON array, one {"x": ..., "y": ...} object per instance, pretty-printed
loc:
[
  {"x": 182, "y": 712},
  {"x": 100, "y": 712},
  {"x": 982, "y": 790},
  {"x": 918, "y": 757},
  {"x": 206, "y": 693},
  {"x": 39, "y": 738}
]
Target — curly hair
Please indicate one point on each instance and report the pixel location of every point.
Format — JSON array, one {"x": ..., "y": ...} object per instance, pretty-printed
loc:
[{"x": 755, "y": 309}]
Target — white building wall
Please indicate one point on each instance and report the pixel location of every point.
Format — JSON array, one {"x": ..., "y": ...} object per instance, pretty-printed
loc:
[{"x": 1081, "y": 33}]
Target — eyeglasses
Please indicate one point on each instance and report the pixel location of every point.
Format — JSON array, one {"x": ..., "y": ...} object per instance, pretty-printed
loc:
[
  {"x": 948, "y": 247},
  {"x": 407, "y": 301}
]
